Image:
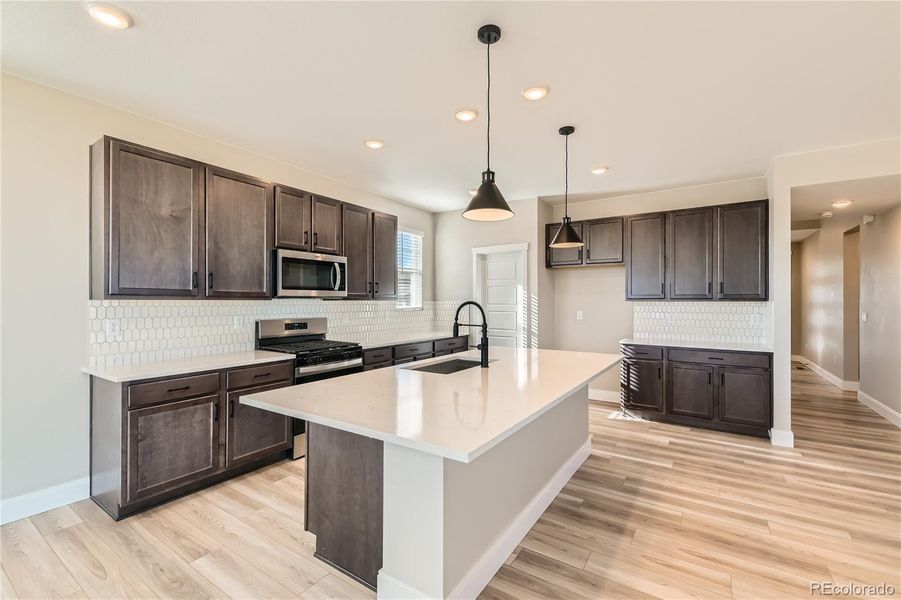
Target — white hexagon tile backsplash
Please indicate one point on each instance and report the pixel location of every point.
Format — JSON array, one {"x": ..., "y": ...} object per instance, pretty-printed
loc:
[{"x": 735, "y": 322}]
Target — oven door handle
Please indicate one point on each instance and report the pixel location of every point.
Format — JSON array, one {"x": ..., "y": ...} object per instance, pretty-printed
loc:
[{"x": 326, "y": 367}]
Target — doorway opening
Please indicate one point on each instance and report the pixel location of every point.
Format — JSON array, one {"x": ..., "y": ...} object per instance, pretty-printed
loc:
[{"x": 499, "y": 285}]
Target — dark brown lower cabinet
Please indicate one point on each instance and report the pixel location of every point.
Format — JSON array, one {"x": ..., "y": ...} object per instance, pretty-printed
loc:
[
  {"x": 254, "y": 433},
  {"x": 154, "y": 440},
  {"x": 171, "y": 444},
  {"x": 643, "y": 384},
  {"x": 724, "y": 390},
  {"x": 344, "y": 500},
  {"x": 690, "y": 390},
  {"x": 739, "y": 392}
]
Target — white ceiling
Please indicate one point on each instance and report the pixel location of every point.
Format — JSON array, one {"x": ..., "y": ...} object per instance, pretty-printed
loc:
[
  {"x": 869, "y": 197},
  {"x": 667, "y": 93}
]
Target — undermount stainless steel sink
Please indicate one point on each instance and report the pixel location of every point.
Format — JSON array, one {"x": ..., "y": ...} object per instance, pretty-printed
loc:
[{"x": 448, "y": 366}]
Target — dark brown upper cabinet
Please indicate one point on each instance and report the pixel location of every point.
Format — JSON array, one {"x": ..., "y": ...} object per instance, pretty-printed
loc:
[
  {"x": 689, "y": 254},
  {"x": 239, "y": 223},
  {"x": 384, "y": 256},
  {"x": 645, "y": 256},
  {"x": 357, "y": 234},
  {"x": 742, "y": 251},
  {"x": 293, "y": 219},
  {"x": 146, "y": 210},
  {"x": 561, "y": 257},
  {"x": 603, "y": 241},
  {"x": 326, "y": 225}
]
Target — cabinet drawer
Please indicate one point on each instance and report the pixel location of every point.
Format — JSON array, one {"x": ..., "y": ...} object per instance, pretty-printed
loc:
[
  {"x": 403, "y": 361},
  {"x": 450, "y": 344},
  {"x": 377, "y": 356},
  {"x": 270, "y": 373},
  {"x": 410, "y": 350},
  {"x": 734, "y": 359},
  {"x": 145, "y": 394},
  {"x": 643, "y": 352}
]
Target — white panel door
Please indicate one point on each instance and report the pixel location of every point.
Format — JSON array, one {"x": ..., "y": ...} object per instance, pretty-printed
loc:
[{"x": 502, "y": 293}]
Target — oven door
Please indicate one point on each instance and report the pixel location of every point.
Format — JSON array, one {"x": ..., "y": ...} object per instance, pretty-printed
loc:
[{"x": 310, "y": 275}]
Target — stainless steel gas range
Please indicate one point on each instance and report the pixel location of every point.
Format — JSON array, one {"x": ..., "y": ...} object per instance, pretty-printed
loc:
[{"x": 315, "y": 357}]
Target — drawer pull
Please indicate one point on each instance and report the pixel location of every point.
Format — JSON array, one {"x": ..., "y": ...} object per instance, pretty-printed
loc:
[
  {"x": 641, "y": 353},
  {"x": 178, "y": 389},
  {"x": 714, "y": 358},
  {"x": 267, "y": 374}
]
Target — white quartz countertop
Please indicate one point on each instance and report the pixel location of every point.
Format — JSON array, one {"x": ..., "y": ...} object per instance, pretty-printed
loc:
[
  {"x": 399, "y": 338},
  {"x": 182, "y": 366},
  {"x": 671, "y": 343},
  {"x": 457, "y": 416}
]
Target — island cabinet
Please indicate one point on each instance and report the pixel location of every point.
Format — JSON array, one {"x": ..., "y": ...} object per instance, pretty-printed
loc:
[
  {"x": 238, "y": 235},
  {"x": 153, "y": 440},
  {"x": 724, "y": 390},
  {"x": 386, "y": 356}
]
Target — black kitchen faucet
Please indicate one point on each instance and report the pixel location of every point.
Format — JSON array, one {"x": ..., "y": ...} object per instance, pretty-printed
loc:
[{"x": 484, "y": 345}]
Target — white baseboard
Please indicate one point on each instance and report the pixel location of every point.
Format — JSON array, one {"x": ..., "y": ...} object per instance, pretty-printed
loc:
[
  {"x": 890, "y": 414},
  {"x": 603, "y": 395},
  {"x": 20, "y": 507},
  {"x": 848, "y": 386},
  {"x": 782, "y": 437},
  {"x": 390, "y": 588},
  {"x": 480, "y": 575}
]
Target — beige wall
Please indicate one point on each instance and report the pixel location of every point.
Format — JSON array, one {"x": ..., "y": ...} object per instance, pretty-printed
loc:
[
  {"x": 822, "y": 295},
  {"x": 45, "y": 139},
  {"x": 851, "y": 303},
  {"x": 796, "y": 298},
  {"x": 880, "y": 298},
  {"x": 599, "y": 292}
]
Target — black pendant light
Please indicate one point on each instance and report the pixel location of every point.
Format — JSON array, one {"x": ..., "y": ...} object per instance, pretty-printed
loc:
[
  {"x": 488, "y": 204},
  {"x": 566, "y": 236}
]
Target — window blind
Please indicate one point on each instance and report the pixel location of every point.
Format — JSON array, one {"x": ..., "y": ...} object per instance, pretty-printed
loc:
[{"x": 409, "y": 269}]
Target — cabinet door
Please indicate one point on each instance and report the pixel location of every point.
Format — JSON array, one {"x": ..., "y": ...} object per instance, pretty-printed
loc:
[
  {"x": 690, "y": 390},
  {"x": 384, "y": 253},
  {"x": 254, "y": 433},
  {"x": 603, "y": 241},
  {"x": 560, "y": 257},
  {"x": 293, "y": 219},
  {"x": 357, "y": 225},
  {"x": 154, "y": 208},
  {"x": 326, "y": 225},
  {"x": 745, "y": 396},
  {"x": 689, "y": 257},
  {"x": 642, "y": 384},
  {"x": 742, "y": 257},
  {"x": 645, "y": 251},
  {"x": 238, "y": 235},
  {"x": 171, "y": 445}
]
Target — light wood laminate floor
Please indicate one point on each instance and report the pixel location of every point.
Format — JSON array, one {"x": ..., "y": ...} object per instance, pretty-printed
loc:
[{"x": 657, "y": 511}]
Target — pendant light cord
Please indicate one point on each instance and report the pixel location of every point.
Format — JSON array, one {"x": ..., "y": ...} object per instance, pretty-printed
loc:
[
  {"x": 566, "y": 175},
  {"x": 488, "y": 103}
]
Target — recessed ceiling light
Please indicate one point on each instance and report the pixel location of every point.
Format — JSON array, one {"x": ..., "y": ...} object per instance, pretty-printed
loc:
[
  {"x": 841, "y": 203},
  {"x": 600, "y": 170},
  {"x": 374, "y": 144},
  {"x": 467, "y": 114},
  {"x": 536, "y": 92},
  {"x": 826, "y": 214},
  {"x": 473, "y": 192},
  {"x": 109, "y": 15}
]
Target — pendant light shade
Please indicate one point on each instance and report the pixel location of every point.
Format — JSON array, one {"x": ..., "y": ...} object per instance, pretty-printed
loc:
[
  {"x": 566, "y": 236},
  {"x": 488, "y": 204}
]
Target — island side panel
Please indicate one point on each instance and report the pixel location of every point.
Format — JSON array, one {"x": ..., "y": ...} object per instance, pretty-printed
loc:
[
  {"x": 344, "y": 500},
  {"x": 492, "y": 502}
]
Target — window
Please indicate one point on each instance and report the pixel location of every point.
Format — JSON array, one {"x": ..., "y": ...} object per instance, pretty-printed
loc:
[{"x": 409, "y": 269}]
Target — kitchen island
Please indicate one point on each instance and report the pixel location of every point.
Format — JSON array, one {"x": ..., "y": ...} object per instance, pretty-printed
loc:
[{"x": 421, "y": 483}]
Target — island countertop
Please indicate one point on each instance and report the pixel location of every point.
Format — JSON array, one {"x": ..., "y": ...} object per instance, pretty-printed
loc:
[{"x": 458, "y": 416}]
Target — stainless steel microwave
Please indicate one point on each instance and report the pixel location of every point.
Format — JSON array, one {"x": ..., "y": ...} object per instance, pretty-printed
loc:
[{"x": 310, "y": 275}]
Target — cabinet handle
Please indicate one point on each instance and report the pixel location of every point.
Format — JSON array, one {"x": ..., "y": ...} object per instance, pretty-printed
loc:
[
  {"x": 306, "y": 238},
  {"x": 262, "y": 375},
  {"x": 659, "y": 372},
  {"x": 216, "y": 411},
  {"x": 709, "y": 377},
  {"x": 709, "y": 287},
  {"x": 369, "y": 287},
  {"x": 231, "y": 409},
  {"x": 210, "y": 280},
  {"x": 376, "y": 287},
  {"x": 194, "y": 280},
  {"x": 714, "y": 358},
  {"x": 722, "y": 380},
  {"x": 315, "y": 238},
  {"x": 662, "y": 288},
  {"x": 178, "y": 389},
  {"x": 721, "y": 287}
]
